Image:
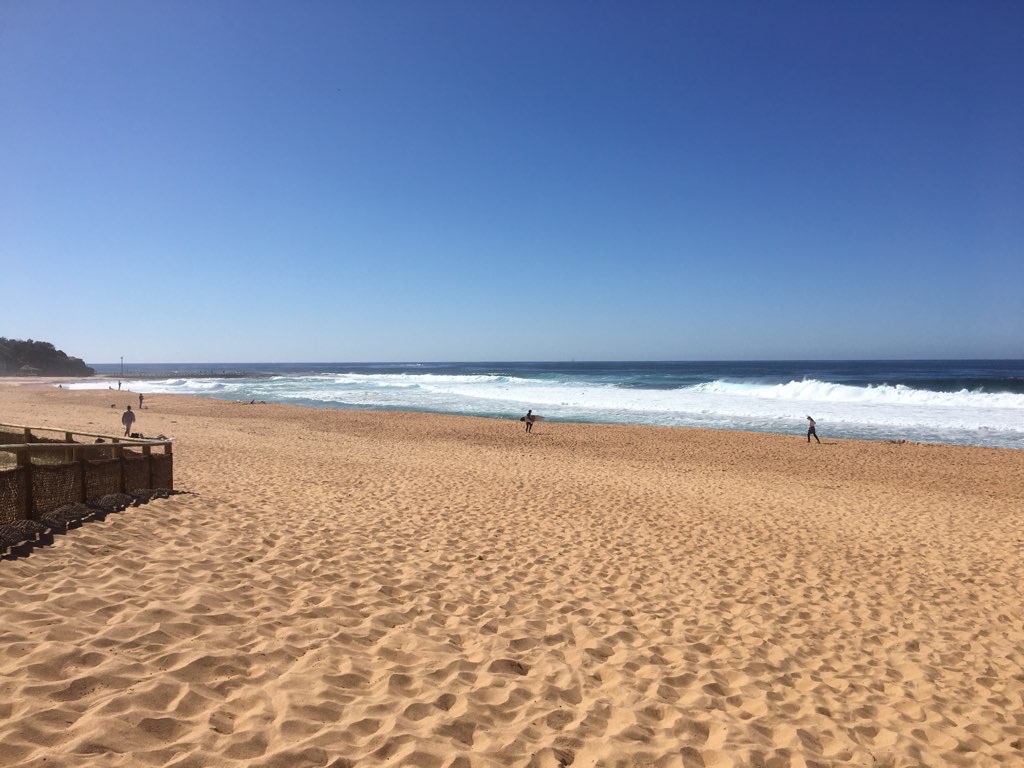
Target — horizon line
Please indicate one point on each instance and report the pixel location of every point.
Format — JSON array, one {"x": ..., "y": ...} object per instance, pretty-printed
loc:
[{"x": 578, "y": 362}]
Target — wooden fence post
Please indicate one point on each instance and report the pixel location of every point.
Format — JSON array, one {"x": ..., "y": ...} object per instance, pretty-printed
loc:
[
  {"x": 78, "y": 456},
  {"x": 119, "y": 454},
  {"x": 25, "y": 460},
  {"x": 147, "y": 452}
]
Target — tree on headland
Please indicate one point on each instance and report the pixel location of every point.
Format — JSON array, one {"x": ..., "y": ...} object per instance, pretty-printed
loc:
[{"x": 38, "y": 358}]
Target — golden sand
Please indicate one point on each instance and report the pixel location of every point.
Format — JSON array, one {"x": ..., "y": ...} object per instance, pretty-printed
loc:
[{"x": 358, "y": 588}]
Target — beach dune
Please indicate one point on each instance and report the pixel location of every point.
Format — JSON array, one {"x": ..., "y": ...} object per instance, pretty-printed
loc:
[{"x": 371, "y": 588}]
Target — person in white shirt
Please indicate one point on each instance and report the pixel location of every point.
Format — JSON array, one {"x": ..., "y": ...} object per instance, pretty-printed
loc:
[{"x": 128, "y": 419}]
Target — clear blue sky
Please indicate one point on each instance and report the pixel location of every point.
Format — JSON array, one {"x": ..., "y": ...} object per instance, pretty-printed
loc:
[{"x": 206, "y": 181}]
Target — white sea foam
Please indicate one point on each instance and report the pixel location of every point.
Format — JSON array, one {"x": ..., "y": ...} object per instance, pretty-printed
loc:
[
  {"x": 880, "y": 411},
  {"x": 811, "y": 390}
]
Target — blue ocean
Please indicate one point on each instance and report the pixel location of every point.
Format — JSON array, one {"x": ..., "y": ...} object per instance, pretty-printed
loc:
[{"x": 965, "y": 402}]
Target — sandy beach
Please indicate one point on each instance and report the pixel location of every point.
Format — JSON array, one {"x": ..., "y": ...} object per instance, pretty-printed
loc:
[{"x": 343, "y": 588}]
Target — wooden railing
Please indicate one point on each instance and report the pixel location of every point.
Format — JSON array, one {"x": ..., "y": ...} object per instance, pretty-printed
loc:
[{"x": 47, "y": 473}]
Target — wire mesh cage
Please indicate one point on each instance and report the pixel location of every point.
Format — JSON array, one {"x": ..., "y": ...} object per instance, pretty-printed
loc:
[{"x": 39, "y": 474}]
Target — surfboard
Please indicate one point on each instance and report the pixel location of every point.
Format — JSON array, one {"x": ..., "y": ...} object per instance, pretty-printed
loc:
[{"x": 535, "y": 417}]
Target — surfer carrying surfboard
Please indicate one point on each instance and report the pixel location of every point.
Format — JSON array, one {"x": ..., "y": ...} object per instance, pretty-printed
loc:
[{"x": 530, "y": 418}]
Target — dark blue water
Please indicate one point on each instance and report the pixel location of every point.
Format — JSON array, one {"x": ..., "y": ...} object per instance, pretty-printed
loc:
[{"x": 993, "y": 376}]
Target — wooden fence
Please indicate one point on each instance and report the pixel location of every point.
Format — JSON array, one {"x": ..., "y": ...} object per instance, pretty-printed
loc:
[{"x": 40, "y": 474}]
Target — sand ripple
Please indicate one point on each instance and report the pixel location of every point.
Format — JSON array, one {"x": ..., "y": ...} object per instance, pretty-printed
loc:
[{"x": 446, "y": 593}]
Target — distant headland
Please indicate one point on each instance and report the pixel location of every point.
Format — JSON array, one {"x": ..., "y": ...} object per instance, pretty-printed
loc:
[{"x": 38, "y": 358}]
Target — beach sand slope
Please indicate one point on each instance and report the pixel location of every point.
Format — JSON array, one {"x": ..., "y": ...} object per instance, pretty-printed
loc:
[{"x": 359, "y": 588}]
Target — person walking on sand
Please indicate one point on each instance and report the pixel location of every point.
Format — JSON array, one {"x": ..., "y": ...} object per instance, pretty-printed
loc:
[
  {"x": 811, "y": 430},
  {"x": 128, "y": 419},
  {"x": 529, "y": 420},
  {"x": 140, "y": 401}
]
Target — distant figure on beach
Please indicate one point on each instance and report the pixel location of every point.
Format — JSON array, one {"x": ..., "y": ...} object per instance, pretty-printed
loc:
[
  {"x": 811, "y": 431},
  {"x": 128, "y": 418},
  {"x": 140, "y": 401},
  {"x": 529, "y": 420},
  {"x": 119, "y": 386}
]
